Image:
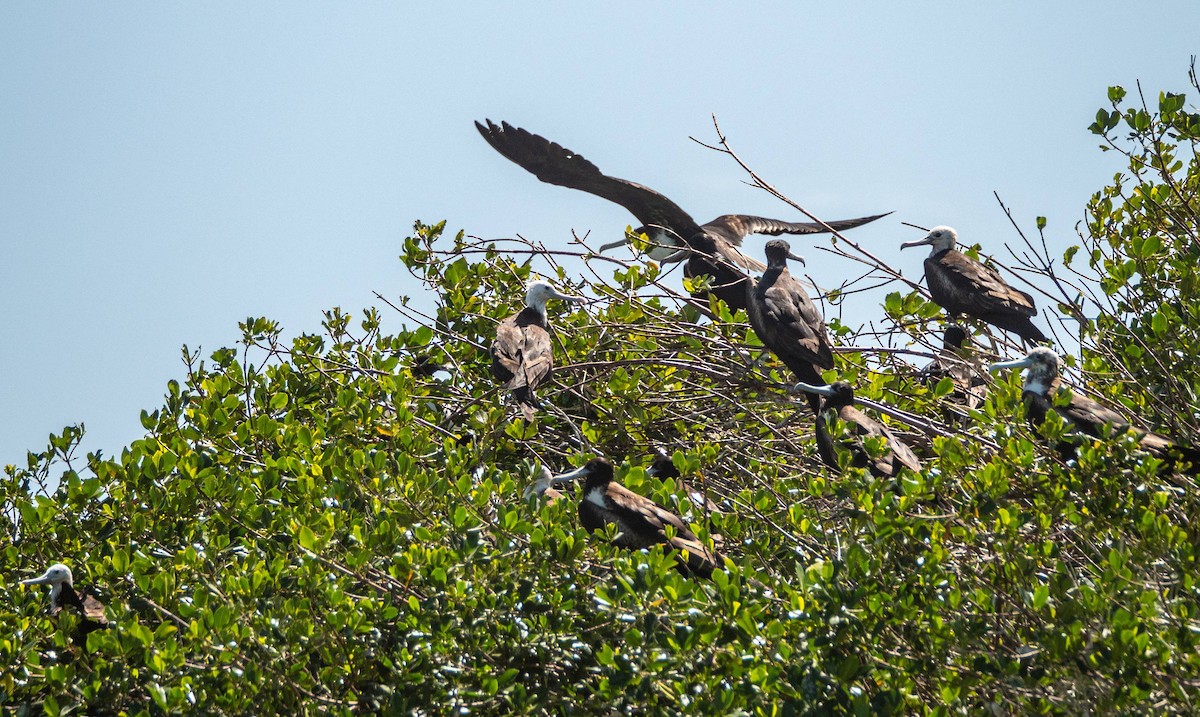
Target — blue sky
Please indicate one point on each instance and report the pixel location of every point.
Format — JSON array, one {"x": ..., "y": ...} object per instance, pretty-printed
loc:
[{"x": 167, "y": 170}]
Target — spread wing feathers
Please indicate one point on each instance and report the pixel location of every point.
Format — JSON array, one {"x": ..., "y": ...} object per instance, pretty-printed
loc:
[
  {"x": 791, "y": 324},
  {"x": 734, "y": 227},
  {"x": 554, "y": 164},
  {"x": 973, "y": 288},
  {"x": 645, "y": 521},
  {"x": 897, "y": 452}
]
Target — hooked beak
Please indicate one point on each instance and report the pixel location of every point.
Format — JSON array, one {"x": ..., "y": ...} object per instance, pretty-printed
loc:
[
  {"x": 581, "y": 472},
  {"x": 612, "y": 245},
  {"x": 568, "y": 297},
  {"x": 797, "y": 257},
  {"x": 927, "y": 240},
  {"x": 43, "y": 579},
  {"x": 808, "y": 387},
  {"x": 1017, "y": 363}
]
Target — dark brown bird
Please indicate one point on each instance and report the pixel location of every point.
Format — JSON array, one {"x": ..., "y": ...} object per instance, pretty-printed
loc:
[
  {"x": 664, "y": 467},
  {"x": 839, "y": 405},
  {"x": 1042, "y": 386},
  {"x": 969, "y": 386},
  {"x": 521, "y": 354},
  {"x": 63, "y": 595},
  {"x": 710, "y": 249},
  {"x": 640, "y": 521},
  {"x": 961, "y": 285},
  {"x": 787, "y": 321}
]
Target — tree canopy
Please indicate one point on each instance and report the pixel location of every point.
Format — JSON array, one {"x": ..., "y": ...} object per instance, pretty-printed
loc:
[{"x": 335, "y": 524}]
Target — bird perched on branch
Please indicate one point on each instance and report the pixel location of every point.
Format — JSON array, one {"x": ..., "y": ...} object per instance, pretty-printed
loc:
[
  {"x": 1041, "y": 395},
  {"x": 839, "y": 405},
  {"x": 640, "y": 521},
  {"x": 951, "y": 363},
  {"x": 710, "y": 249},
  {"x": 63, "y": 595},
  {"x": 787, "y": 321},
  {"x": 961, "y": 285},
  {"x": 521, "y": 354}
]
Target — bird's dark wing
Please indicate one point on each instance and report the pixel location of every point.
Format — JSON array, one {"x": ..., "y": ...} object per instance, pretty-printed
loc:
[
  {"x": 1089, "y": 416},
  {"x": 898, "y": 452},
  {"x": 555, "y": 164},
  {"x": 734, "y": 227},
  {"x": 650, "y": 518},
  {"x": 791, "y": 322},
  {"x": 89, "y": 607},
  {"x": 976, "y": 288},
  {"x": 521, "y": 353}
]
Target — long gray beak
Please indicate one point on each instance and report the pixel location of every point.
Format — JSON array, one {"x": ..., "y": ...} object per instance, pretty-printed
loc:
[
  {"x": 1016, "y": 363},
  {"x": 926, "y": 240},
  {"x": 797, "y": 257},
  {"x": 581, "y": 472},
  {"x": 808, "y": 387},
  {"x": 44, "y": 579},
  {"x": 568, "y": 297},
  {"x": 612, "y": 245}
]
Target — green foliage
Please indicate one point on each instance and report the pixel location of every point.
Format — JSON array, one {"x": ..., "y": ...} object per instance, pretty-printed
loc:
[{"x": 320, "y": 526}]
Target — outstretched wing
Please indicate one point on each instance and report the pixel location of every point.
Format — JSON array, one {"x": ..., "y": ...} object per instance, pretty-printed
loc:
[
  {"x": 734, "y": 227},
  {"x": 976, "y": 289},
  {"x": 555, "y": 164}
]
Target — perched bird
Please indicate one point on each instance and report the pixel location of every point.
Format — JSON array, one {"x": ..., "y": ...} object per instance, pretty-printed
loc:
[
  {"x": 664, "y": 467},
  {"x": 1042, "y": 386},
  {"x": 968, "y": 384},
  {"x": 639, "y": 520},
  {"x": 543, "y": 488},
  {"x": 787, "y": 321},
  {"x": 961, "y": 285},
  {"x": 710, "y": 249},
  {"x": 63, "y": 594},
  {"x": 839, "y": 405},
  {"x": 521, "y": 354}
]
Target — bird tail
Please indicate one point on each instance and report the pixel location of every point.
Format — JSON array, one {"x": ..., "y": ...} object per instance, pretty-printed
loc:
[{"x": 527, "y": 402}]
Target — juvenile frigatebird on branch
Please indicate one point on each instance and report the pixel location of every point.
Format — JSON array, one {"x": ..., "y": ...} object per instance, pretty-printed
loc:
[
  {"x": 1041, "y": 391},
  {"x": 521, "y": 354},
  {"x": 710, "y": 249},
  {"x": 961, "y": 285},
  {"x": 640, "y": 521},
  {"x": 787, "y": 321},
  {"x": 64, "y": 595},
  {"x": 839, "y": 405}
]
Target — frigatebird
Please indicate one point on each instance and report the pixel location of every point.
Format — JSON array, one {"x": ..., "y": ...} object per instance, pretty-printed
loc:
[
  {"x": 63, "y": 594},
  {"x": 1040, "y": 393},
  {"x": 787, "y": 321},
  {"x": 839, "y": 405},
  {"x": 961, "y": 285},
  {"x": 664, "y": 467},
  {"x": 543, "y": 488},
  {"x": 640, "y": 521},
  {"x": 710, "y": 249},
  {"x": 521, "y": 354},
  {"x": 951, "y": 363}
]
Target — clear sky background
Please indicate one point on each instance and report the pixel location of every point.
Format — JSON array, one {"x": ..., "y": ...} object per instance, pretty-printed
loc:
[{"x": 168, "y": 169}]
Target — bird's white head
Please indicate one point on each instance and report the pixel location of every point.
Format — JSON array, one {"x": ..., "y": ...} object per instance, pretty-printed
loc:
[
  {"x": 1041, "y": 366},
  {"x": 939, "y": 238},
  {"x": 55, "y": 576},
  {"x": 537, "y": 293}
]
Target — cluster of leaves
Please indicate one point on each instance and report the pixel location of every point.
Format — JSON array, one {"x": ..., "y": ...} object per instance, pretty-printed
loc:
[{"x": 332, "y": 526}]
